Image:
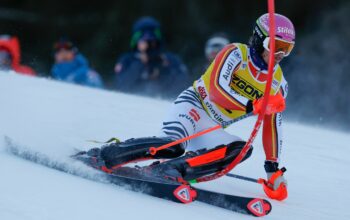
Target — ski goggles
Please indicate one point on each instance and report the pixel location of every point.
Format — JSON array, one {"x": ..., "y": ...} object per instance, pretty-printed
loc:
[
  {"x": 67, "y": 45},
  {"x": 146, "y": 34},
  {"x": 281, "y": 46}
]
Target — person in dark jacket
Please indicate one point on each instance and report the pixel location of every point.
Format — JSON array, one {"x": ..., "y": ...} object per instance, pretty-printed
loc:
[
  {"x": 148, "y": 69},
  {"x": 71, "y": 66}
]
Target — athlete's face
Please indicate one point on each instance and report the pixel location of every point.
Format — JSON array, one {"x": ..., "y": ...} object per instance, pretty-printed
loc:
[
  {"x": 64, "y": 55},
  {"x": 278, "y": 57}
]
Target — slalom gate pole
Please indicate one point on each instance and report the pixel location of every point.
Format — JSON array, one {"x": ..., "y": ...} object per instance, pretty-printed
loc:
[
  {"x": 241, "y": 155},
  {"x": 154, "y": 150}
]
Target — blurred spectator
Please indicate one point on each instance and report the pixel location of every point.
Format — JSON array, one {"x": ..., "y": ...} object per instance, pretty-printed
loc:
[
  {"x": 149, "y": 69},
  {"x": 71, "y": 66},
  {"x": 213, "y": 46},
  {"x": 10, "y": 56}
]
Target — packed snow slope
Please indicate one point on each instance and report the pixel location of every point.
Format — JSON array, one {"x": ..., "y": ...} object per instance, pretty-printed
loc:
[{"x": 54, "y": 118}]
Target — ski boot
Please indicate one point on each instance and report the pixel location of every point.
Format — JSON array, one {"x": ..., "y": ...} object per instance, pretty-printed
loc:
[{"x": 116, "y": 155}]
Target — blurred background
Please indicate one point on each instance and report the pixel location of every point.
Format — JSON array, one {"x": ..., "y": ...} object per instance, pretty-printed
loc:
[{"x": 317, "y": 70}]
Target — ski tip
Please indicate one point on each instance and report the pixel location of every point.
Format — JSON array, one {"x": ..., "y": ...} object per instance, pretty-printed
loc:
[
  {"x": 185, "y": 193},
  {"x": 259, "y": 207}
]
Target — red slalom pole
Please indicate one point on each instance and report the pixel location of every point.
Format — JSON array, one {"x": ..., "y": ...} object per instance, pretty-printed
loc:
[
  {"x": 241, "y": 155},
  {"x": 154, "y": 150}
]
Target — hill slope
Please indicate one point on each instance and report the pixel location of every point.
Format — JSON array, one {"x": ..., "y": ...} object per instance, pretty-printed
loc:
[{"x": 54, "y": 118}]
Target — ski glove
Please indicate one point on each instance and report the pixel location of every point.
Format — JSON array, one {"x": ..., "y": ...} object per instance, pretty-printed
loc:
[{"x": 276, "y": 104}]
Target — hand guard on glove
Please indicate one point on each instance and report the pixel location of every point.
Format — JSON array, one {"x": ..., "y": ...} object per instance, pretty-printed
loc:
[
  {"x": 277, "y": 181},
  {"x": 276, "y": 185},
  {"x": 276, "y": 104},
  {"x": 273, "y": 177}
]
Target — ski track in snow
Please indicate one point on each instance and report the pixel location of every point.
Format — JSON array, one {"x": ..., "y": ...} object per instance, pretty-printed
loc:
[{"x": 54, "y": 119}]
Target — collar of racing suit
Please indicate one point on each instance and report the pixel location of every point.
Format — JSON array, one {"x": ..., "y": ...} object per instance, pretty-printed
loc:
[{"x": 257, "y": 59}]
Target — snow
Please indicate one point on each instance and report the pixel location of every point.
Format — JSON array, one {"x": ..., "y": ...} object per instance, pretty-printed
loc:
[{"x": 55, "y": 118}]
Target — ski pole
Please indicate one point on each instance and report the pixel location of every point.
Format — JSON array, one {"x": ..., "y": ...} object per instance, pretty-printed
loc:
[
  {"x": 279, "y": 194},
  {"x": 154, "y": 150},
  {"x": 249, "y": 179}
]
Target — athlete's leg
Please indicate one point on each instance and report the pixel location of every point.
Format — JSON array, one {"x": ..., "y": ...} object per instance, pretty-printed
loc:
[
  {"x": 186, "y": 117},
  {"x": 136, "y": 149},
  {"x": 202, "y": 162}
]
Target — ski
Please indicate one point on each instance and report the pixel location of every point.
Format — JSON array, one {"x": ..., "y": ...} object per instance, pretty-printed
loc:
[
  {"x": 183, "y": 193},
  {"x": 133, "y": 179},
  {"x": 137, "y": 181},
  {"x": 251, "y": 206}
]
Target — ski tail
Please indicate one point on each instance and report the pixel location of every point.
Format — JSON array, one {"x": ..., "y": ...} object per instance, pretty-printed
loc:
[{"x": 63, "y": 165}]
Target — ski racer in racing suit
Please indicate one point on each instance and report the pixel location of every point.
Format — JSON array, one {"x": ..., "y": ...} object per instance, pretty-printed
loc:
[{"x": 231, "y": 87}]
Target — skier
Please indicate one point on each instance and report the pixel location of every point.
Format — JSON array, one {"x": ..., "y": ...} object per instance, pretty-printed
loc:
[{"x": 232, "y": 86}]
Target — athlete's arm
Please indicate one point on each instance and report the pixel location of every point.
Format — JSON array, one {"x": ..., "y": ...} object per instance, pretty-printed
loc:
[
  {"x": 284, "y": 87},
  {"x": 272, "y": 129},
  {"x": 226, "y": 63}
]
